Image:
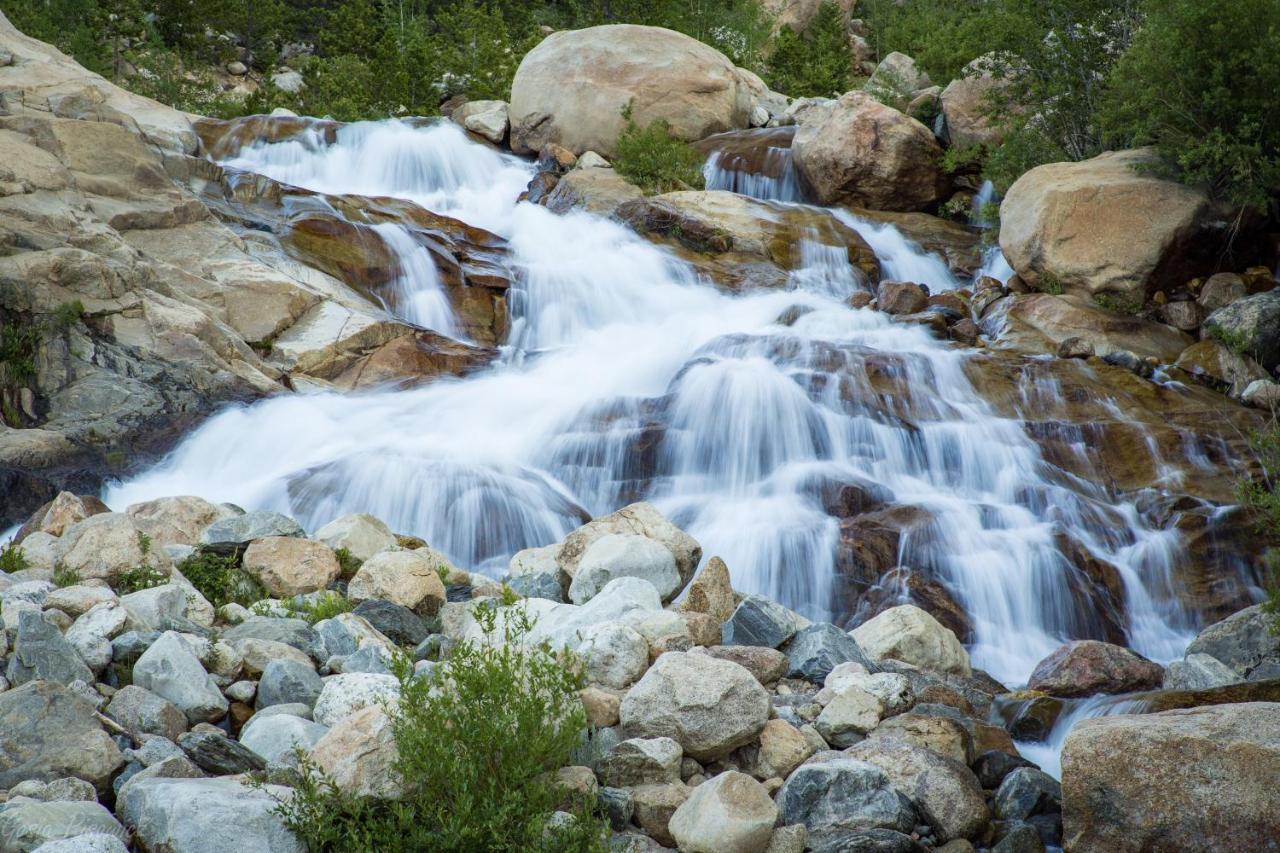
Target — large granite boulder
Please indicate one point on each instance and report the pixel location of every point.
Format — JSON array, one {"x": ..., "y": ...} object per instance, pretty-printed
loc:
[
  {"x": 572, "y": 88},
  {"x": 859, "y": 151},
  {"x": 1199, "y": 779},
  {"x": 1086, "y": 667},
  {"x": 47, "y": 733}
]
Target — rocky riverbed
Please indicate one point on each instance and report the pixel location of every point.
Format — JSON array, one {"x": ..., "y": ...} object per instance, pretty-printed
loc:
[{"x": 135, "y": 712}]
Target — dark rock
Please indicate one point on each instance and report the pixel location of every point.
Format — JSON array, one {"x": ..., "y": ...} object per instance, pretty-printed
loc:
[
  {"x": 219, "y": 754},
  {"x": 1243, "y": 641},
  {"x": 872, "y": 841},
  {"x": 143, "y": 712},
  {"x": 901, "y": 297},
  {"x": 129, "y": 646},
  {"x": 291, "y": 632},
  {"x": 1252, "y": 324},
  {"x": 1026, "y": 792},
  {"x": 536, "y": 585},
  {"x": 757, "y": 621},
  {"x": 400, "y": 624},
  {"x": 1018, "y": 837},
  {"x": 818, "y": 648},
  {"x": 992, "y": 767},
  {"x": 285, "y": 682},
  {"x": 41, "y": 653},
  {"x": 458, "y": 592},
  {"x": 617, "y": 805},
  {"x": 368, "y": 659}
]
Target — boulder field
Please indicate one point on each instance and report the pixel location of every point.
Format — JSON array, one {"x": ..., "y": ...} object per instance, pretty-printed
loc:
[{"x": 136, "y": 713}]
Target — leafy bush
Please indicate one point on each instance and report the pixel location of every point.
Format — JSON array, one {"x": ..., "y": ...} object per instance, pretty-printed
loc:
[
  {"x": 64, "y": 577},
  {"x": 322, "y": 607},
  {"x": 12, "y": 559},
  {"x": 138, "y": 578},
  {"x": 817, "y": 63},
  {"x": 655, "y": 160},
  {"x": 477, "y": 739},
  {"x": 1200, "y": 83},
  {"x": 219, "y": 578},
  {"x": 941, "y": 35},
  {"x": 1261, "y": 495},
  {"x": 348, "y": 564}
]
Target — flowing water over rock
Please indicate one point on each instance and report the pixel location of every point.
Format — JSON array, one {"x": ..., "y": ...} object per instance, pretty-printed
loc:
[{"x": 626, "y": 377}]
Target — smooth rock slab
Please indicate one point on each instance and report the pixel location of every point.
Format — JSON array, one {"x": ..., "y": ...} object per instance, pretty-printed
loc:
[
  {"x": 41, "y": 653},
  {"x": 206, "y": 816},
  {"x": 276, "y": 736},
  {"x": 618, "y": 555},
  {"x": 228, "y": 534}
]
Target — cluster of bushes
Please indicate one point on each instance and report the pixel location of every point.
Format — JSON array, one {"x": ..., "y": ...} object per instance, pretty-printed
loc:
[{"x": 1195, "y": 80}]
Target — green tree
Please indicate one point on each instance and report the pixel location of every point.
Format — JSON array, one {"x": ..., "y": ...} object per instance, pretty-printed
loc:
[
  {"x": 815, "y": 64},
  {"x": 1200, "y": 83}
]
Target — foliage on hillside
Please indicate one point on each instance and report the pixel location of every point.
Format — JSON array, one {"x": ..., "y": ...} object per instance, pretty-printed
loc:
[{"x": 815, "y": 64}]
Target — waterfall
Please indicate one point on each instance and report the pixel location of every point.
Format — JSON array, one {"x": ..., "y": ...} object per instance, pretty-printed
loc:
[
  {"x": 417, "y": 295},
  {"x": 755, "y": 163},
  {"x": 626, "y": 378}
]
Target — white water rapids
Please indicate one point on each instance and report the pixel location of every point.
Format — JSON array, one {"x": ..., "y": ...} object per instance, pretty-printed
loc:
[{"x": 627, "y": 378}]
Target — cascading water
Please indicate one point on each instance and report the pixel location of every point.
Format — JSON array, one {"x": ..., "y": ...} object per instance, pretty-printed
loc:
[
  {"x": 626, "y": 378},
  {"x": 758, "y": 164},
  {"x": 417, "y": 295}
]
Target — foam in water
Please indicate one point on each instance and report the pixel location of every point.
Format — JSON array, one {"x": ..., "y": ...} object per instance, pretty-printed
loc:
[
  {"x": 418, "y": 296},
  {"x": 628, "y": 379}
]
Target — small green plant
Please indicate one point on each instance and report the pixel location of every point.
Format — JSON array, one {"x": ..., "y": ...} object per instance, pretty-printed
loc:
[
  {"x": 12, "y": 559},
  {"x": 64, "y": 576},
  {"x": 325, "y": 606},
  {"x": 138, "y": 578},
  {"x": 1051, "y": 284},
  {"x": 655, "y": 160},
  {"x": 1232, "y": 339},
  {"x": 477, "y": 739},
  {"x": 1260, "y": 494},
  {"x": 67, "y": 315},
  {"x": 509, "y": 596},
  {"x": 348, "y": 565},
  {"x": 1118, "y": 303},
  {"x": 442, "y": 571},
  {"x": 219, "y": 578}
]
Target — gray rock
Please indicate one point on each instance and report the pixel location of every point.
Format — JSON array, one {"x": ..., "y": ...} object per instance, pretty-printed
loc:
[
  {"x": 160, "y": 608},
  {"x": 642, "y": 761},
  {"x": 90, "y": 842},
  {"x": 400, "y": 624},
  {"x": 536, "y": 585},
  {"x": 1243, "y": 641},
  {"x": 709, "y": 706},
  {"x": 228, "y": 534},
  {"x": 618, "y": 806},
  {"x": 596, "y": 745},
  {"x": 153, "y": 750},
  {"x": 347, "y": 693},
  {"x": 1253, "y": 322},
  {"x": 173, "y": 767},
  {"x": 129, "y": 646},
  {"x": 171, "y": 670},
  {"x": 819, "y": 648},
  {"x": 143, "y": 712},
  {"x": 206, "y": 816},
  {"x": 286, "y": 682},
  {"x": 1198, "y": 672},
  {"x": 758, "y": 621},
  {"x": 69, "y": 789},
  {"x": 945, "y": 792},
  {"x": 837, "y": 798},
  {"x": 367, "y": 659},
  {"x": 1019, "y": 838},
  {"x": 291, "y": 709},
  {"x": 618, "y": 555},
  {"x": 27, "y": 824},
  {"x": 1027, "y": 792},
  {"x": 41, "y": 652},
  {"x": 218, "y": 754},
  {"x": 275, "y": 737},
  {"x": 992, "y": 766},
  {"x": 48, "y": 733},
  {"x": 291, "y": 632}
]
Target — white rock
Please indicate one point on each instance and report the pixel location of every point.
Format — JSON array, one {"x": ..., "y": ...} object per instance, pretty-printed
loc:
[
  {"x": 624, "y": 555},
  {"x": 345, "y": 694},
  {"x": 276, "y": 736},
  {"x": 615, "y": 654},
  {"x": 731, "y": 813},
  {"x": 361, "y": 534},
  {"x": 911, "y": 635},
  {"x": 849, "y": 716}
]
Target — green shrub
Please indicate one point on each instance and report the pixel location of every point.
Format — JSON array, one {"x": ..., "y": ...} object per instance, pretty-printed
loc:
[
  {"x": 64, "y": 577},
  {"x": 1118, "y": 303},
  {"x": 348, "y": 565},
  {"x": 1261, "y": 496},
  {"x": 322, "y": 607},
  {"x": 138, "y": 578},
  {"x": 1200, "y": 83},
  {"x": 12, "y": 559},
  {"x": 477, "y": 739},
  {"x": 815, "y": 64},
  {"x": 219, "y": 578},
  {"x": 655, "y": 160},
  {"x": 941, "y": 35}
]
